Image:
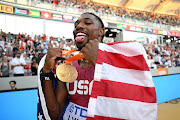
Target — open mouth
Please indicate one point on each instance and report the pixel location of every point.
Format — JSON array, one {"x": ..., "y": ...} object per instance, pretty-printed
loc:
[{"x": 80, "y": 37}]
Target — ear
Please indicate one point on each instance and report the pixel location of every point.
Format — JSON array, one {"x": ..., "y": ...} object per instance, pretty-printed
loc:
[{"x": 101, "y": 33}]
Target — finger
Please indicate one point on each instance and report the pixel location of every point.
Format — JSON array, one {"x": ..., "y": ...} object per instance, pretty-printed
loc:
[
  {"x": 55, "y": 49},
  {"x": 92, "y": 42},
  {"x": 95, "y": 40},
  {"x": 55, "y": 56},
  {"x": 53, "y": 52}
]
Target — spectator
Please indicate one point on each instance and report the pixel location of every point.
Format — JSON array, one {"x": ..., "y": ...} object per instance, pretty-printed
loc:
[
  {"x": 157, "y": 59},
  {"x": 178, "y": 60},
  {"x": 44, "y": 37},
  {"x": 9, "y": 36},
  {"x": 15, "y": 49},
  {"x": 9, "y": 48},
  {"x": 150, "y": 62},
  {"x": 2, "y": 42},
  {"x": 163, "y": 60},
  {"x": 1, "y": 47},
  {"x": 59, "y": 44},
  {"x": 37, "y": 56},
  {"x": 33, "y": 66},
  {"x": 31, "y": 51},
  {"x": 19, "y": 36},
  {"x": 1, "y": 51},
  {"x": 44, "y": 48},
  {"x": 38, "y": 48},
  {"x": 3, "y": 36},
  {"x": 51, "y": 38},
  {"x": 5, "y": 67},
  {"x": 13, "y": 85},
  {"x": 169, "y": 62},
  {"x": 18, "y": 65},
  {"x": 22, "y": 47}
]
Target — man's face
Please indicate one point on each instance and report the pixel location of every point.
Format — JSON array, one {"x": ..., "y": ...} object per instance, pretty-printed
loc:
[
  {"x": 12, "y": 85},
  {"x": 88, "y": 28},
  {"x": 5, "y": 58}
]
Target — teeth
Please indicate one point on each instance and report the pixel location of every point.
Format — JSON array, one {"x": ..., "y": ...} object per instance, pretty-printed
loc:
[{"x": 80, "y": 34}]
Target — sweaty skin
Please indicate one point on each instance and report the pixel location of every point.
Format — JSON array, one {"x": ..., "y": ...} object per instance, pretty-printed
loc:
[{"x": 92, "y": 31}]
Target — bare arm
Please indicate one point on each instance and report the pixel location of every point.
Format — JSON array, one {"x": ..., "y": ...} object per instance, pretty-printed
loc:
[
  {"x": 10, "y": 70},
  {"x": 57, "y": 98},
  {"x": 30, "y": 65},
  {"x": 15, "y": 65},
  {"x": 36, "y": 66}
]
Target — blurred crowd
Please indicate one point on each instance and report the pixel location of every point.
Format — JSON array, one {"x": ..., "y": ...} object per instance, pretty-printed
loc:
[
  {"x": 163, "y": 56},
  {"x": 117, "y": 11},
  {"x": 20, "y": 54}
]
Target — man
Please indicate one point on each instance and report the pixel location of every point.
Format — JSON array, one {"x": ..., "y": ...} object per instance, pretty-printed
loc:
[
  {"x": 5, "y": 67},
  {"x": 117, "y": 92},
  {"x": 13, "y": 85},
  {"x": 2, "y": 42},
  {"x": 18, "y": 64},
  {"x": 91, "y": 29},
  {"x": 37, "y": 56},
  {"x": 44, "y": 48}
]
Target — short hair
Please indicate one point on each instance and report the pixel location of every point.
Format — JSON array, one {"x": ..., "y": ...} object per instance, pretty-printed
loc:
[
  {"x": 99, "y": 19},
  {"x": 12, "y": 81}
]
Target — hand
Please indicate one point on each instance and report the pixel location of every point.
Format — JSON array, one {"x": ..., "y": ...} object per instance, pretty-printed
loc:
[
  {"x": 50, "y": 61},
  {"x": 90, "y": 51},
  {"x": 0, "y": 73}
]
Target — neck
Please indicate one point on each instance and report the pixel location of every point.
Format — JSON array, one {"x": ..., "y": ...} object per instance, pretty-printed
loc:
[
  {"x": 13, "y": 88},
  {"x": 84, "y": 64}
]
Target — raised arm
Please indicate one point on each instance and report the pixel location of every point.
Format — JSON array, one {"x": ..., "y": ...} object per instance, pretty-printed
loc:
[{"x": 57, "y": 98}]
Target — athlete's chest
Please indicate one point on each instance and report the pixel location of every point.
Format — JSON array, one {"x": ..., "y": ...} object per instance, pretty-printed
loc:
[{"x": 80, "y": 90}]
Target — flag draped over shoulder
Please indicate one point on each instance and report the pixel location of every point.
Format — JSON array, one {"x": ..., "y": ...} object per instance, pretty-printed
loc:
[
  {"x": 42, "y": 112},
  {"x": 122, "y": 87}
]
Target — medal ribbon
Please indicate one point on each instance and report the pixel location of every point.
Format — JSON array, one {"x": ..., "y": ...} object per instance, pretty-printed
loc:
[{"x": 76, "y": 57}]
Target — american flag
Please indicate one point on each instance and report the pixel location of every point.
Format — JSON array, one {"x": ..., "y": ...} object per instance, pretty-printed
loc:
[{"x": 123, "y": 87}]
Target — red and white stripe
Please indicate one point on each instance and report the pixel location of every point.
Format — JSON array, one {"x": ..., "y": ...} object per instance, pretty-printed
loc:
[{"x": 122, "y": 87}]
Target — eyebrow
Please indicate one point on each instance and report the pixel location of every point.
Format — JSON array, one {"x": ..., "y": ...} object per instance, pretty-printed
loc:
[
  {"x": 84, "y": 18},
  {"x": 88, "y": 18}
]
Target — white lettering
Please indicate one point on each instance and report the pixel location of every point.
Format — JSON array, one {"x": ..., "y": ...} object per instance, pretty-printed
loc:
[
  {"x": 83, "y": 87},
  {"x": 80, "y": 86},
  {"x": 86, "y": 87},
  {"x": 162, "y": 72},
  {"x": 75, "y": 88}
]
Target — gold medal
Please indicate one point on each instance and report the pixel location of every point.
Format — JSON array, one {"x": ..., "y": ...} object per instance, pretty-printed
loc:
[{"x": 66, "y": 72}]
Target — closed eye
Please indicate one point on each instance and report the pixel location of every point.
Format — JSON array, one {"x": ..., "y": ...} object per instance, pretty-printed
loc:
[{"x": 88, "y": 23}]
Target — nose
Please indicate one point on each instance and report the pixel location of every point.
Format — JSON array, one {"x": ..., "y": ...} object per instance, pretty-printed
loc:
[{"x": 80, "y": 26}]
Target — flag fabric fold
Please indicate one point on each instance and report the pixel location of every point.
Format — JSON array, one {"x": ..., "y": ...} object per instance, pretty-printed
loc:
[{"x": 122, "y": 87}]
